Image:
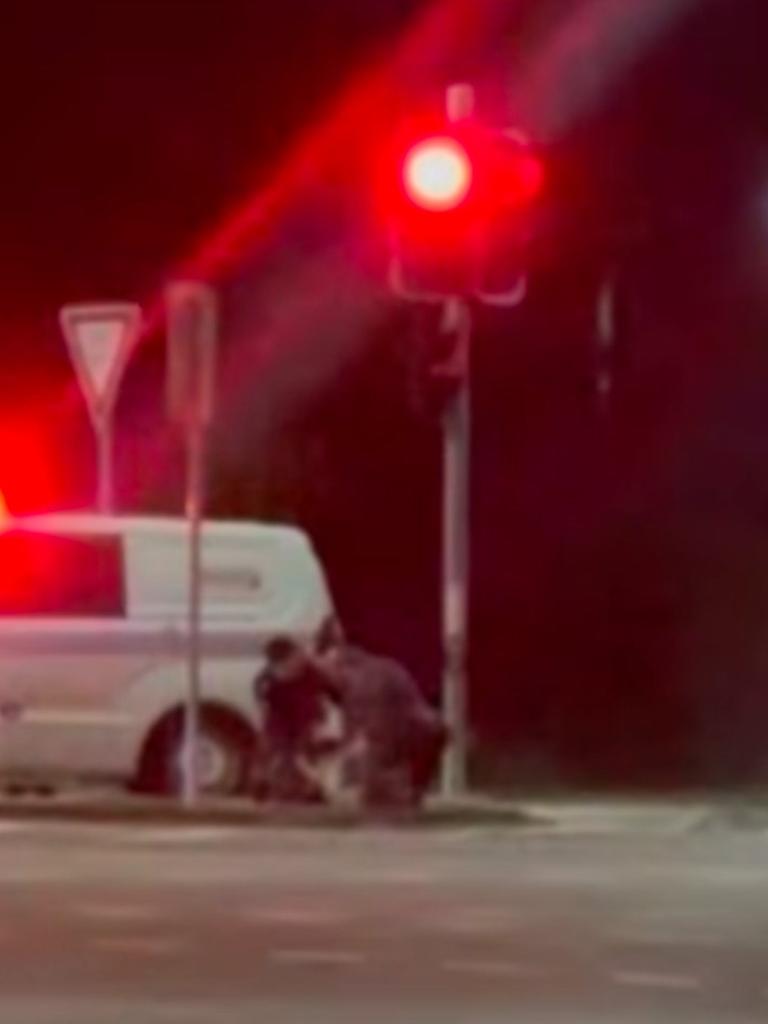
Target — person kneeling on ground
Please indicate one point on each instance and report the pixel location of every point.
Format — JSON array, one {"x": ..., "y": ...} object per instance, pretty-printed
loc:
[
  {"x": 296, "y": 694},
  {"x": 402, "y": 735}
]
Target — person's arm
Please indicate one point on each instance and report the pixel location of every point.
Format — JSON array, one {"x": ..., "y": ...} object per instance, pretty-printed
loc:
[
  {"x": 262, "y": 687},
  {"x": 403, "y": 686},
  {"x": 330, "y": 685}
]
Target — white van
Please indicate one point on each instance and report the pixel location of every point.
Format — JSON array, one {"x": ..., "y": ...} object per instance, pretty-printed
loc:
[{"x": 93, "y": 676}]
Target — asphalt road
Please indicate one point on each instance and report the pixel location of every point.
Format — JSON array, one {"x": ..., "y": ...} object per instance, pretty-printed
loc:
[{"x": 114, "y": 923}]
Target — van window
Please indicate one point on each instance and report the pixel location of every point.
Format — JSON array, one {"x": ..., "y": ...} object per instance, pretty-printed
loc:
[{"x": 60, "y": 576}]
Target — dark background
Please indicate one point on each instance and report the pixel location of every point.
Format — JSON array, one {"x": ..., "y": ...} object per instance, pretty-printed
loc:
[{"x": 620, "y": 564}]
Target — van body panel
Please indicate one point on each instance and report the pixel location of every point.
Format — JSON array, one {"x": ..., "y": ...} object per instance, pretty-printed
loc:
[{"x": 80, "y": 694}]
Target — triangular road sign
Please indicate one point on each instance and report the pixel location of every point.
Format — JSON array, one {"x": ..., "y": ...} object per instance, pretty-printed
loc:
[{"x": 100, "y": 339}]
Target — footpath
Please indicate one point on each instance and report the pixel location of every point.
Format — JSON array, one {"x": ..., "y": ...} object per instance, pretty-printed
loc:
[{"x": 572, "y": 815}]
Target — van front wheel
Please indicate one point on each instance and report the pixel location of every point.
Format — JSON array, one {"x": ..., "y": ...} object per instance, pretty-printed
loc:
[{"x": 225, "y": 750}]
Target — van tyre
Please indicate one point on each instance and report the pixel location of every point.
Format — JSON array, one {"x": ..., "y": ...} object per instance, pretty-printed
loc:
[{"x": 226, "y": 751}]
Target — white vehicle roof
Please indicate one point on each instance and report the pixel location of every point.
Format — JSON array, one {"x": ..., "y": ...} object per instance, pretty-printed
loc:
[
  {"x": 96, "y": 523},
  {"x": 267, "y": 573}
]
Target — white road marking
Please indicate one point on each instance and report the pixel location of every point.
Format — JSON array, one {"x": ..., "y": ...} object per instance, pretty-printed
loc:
[
  {"x": 407, "y": 876},
  {"x": 320, "y": 957},
  {"x": 145, "y": 946},
  {"x": 179, "y": 834},
  {"x": 646, "y": 979},
  {"x": 476, "y": 922},
  {"x": 116, "y": 912},
  {"x": 682, "y": 916},
  {"x": 491, "y": 968},
  {"x": 295, "y": 916},
  {"x": 14, "y": 827},
  {"x": 701, "y": 940}
]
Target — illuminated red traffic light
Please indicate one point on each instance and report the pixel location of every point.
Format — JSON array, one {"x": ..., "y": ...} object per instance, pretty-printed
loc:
[
  {"x": 437, "y": 173},
  {"x": 461, "y": 203}
]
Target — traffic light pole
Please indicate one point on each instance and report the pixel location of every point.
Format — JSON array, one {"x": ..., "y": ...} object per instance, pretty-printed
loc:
[
  {"x": 460, "y": 103},
  {"x": 437, "y": 177},
  {"x": 456, "y": 474}
]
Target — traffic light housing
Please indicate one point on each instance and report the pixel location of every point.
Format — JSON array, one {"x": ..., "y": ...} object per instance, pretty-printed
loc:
[{"x": 460, "y": 209}]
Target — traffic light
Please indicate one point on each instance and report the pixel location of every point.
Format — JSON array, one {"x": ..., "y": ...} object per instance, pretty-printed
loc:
[
  {"x": 437, "y": 173},
  {"x": 515, "y": 185},
  {"x": 460, "y": 210}
]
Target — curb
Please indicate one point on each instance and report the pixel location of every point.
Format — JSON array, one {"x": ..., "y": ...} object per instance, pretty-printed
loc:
[
  {"x": 736, "y": 818},
  {"x": 248, "y": 815}
]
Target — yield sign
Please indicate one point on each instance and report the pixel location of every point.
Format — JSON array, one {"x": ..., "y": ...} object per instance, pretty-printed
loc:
[{"x": 100, "y": 339}]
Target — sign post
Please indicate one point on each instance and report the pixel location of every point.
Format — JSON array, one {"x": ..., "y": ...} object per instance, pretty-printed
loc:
[
  {"x": 192, "y": 336},
  {"x": 100, "y": 338}
]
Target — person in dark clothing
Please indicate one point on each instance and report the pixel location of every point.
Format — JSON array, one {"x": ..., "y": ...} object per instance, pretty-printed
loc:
[
  {"x": 294, "y": 692},
  {"x": 403, "y": 735}
]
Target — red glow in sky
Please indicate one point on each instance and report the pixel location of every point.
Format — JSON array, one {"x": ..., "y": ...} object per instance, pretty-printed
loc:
[
  {"x": 359, "y": 115},
  {"x": 356, "y": 122}
]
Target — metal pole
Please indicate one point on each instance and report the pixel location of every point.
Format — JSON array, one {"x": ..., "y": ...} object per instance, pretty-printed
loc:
[
  {"x": 459, "y": 105},
  {"x": 192, "y": 333},
  {"x": 605, "y": 333},
  {"x": 105, "y": 485},
  {"x": 456, "y": 467},
  {"x": 194, "y": 503}
]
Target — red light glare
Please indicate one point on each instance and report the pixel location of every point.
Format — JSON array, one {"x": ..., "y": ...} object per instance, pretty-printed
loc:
[
  {"x": 437, "y": 174},
  {"x": 29, "y": 464},
  {"x": 5, "y": 513},
  {"x": 530, "y": 178}
]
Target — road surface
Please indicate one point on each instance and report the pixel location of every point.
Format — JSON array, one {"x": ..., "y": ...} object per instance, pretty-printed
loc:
[{"x": 145, "y": 924}]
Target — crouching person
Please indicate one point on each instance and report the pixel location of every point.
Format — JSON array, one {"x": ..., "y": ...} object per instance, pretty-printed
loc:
[
  {"x": 397, "y": 736},
  {"x": 297, "y": 697}
]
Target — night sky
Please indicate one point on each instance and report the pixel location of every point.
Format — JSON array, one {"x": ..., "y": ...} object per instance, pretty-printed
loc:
[{"x": 620, "y": 563}]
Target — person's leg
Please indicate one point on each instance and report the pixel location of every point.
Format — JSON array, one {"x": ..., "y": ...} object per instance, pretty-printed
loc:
[
  {"x": 426, "y": 752},
  {"x": 308, "y": 783},
  {"x": 388, "y": 776},
  {"x": 285, "y": 776}
]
